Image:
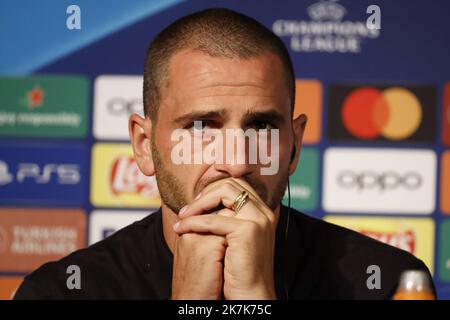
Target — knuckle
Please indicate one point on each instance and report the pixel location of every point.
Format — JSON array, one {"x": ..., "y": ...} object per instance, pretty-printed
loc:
[
  {"x": 271, "y": 218},
  {"x": 252, "y": 228},
  {"x": 189, "y": 238},
  {"x": 215, "y": 241},
  {"x": 265, "y": 223},
  {"x": 228, "y": 186},
  {"x": 207, "y": 221}
]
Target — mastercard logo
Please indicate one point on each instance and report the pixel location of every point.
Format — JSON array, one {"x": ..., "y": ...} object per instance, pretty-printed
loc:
[{"x": 394, "y": 113}]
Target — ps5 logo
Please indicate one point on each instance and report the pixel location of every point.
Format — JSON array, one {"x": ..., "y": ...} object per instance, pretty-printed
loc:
[
  {"x": 63, "y": 173},
  {"x": 5, "y": 176}
]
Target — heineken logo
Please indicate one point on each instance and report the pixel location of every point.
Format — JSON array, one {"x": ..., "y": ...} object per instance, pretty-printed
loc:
[
  {"x": 44, "y": 106},
  {"x": 35, "y": 97}
]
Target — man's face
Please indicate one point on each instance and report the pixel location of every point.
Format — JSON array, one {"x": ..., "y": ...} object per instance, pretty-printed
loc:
[{"x": 224, "y": 94}]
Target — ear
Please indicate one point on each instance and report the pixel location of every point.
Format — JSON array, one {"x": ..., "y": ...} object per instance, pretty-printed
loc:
[
  {"x": 299, "y": 125},
  {"x": 140, "y": 131}
]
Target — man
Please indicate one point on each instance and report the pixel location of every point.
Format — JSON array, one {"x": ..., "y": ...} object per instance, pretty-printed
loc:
[{"x": 222, "y": 232}]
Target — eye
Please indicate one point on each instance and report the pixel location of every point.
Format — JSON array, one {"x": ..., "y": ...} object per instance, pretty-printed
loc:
[
  {"x": 262, "y": 125},
  {"x": 200, "y": 125}
]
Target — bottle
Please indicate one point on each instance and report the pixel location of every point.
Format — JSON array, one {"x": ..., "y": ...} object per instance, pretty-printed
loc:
[{"x": 414, "y": 285}]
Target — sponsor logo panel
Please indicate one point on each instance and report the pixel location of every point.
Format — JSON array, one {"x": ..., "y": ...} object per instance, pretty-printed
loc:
[
  {"x": 446, "y": 116},
  {"x": 382, "y": 113},
  {"x": 44, "y": 106},
  {"x": 373, "y": 180},
  {"x": 415, "y": 235},
  {"x": 308, "y": 100},
  {"x": 116, "y": 180},
  {"x": 323, "y": 27},
  {"x": 444, "y": 251},
  {"x": 103, "y": 223},
  {"x": 32, "y": 237},
  {"x": 49, "y": 174},
  {"x": 9, "y": 286},
  {"x": 304, "y": 182},
  {"x": 116, "y": 98},
  {"x": 445, "y": 182}
]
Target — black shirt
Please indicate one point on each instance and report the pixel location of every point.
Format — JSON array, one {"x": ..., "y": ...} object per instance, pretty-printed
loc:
[{"x": 319, "y": 260}]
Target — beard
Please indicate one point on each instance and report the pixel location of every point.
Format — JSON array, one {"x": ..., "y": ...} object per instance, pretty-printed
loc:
[{"x": 173, "y": 191}]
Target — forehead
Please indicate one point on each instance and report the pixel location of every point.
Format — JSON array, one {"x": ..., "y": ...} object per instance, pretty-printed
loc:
[{"x": 194, "y": 74}]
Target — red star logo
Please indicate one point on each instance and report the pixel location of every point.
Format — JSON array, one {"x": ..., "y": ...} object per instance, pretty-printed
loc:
[{"x": 35, "y": 97}]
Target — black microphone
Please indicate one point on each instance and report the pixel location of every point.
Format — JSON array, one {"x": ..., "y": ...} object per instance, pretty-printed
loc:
[{"x": 293, "y": 153}]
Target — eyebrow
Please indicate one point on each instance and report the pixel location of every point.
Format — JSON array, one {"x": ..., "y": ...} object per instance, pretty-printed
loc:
[
  {"x": 198, "y": 115},
  {"x": 249, "y": 116},
  {"x": 273, "y": 115}
]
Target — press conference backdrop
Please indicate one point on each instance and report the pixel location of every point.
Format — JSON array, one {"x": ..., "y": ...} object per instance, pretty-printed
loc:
[{"x": 377, "y": 147}]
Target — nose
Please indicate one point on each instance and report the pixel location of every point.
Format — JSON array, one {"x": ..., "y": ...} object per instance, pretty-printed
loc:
[
  {"x": 234, "y": 170},
  {"x": 235, "y": 162}
]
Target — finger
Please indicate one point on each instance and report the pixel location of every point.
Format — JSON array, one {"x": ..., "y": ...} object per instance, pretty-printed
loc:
[
  {"x": 225, "y": 212},
  {"x": 224, "y": 195},
  {"x": 239, "y": 183},
  {"x": 215, "y": 224},
  {"x": 242, "y": 184}
]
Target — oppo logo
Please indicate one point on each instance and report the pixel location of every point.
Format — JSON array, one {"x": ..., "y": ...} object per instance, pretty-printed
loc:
[
  {"x": 121, "y": 106},
  {"x": 371, "y": 180},
  {"x": 64, "y": 173}
]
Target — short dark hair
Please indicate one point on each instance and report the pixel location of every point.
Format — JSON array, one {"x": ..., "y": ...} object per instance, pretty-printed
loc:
[{"x": 217, "y": 32}]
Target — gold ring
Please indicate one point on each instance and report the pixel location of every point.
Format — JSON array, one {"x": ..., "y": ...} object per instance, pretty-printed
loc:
[{"x": 240, "y": 201}]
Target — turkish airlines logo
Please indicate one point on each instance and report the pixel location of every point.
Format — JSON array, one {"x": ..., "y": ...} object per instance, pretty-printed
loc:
[
  {"x": 3, "y": 240},
  {"x": 33, "y": 236},
  {"x": 382, "y": 113},
  {"x": 379, "y": 180}
]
